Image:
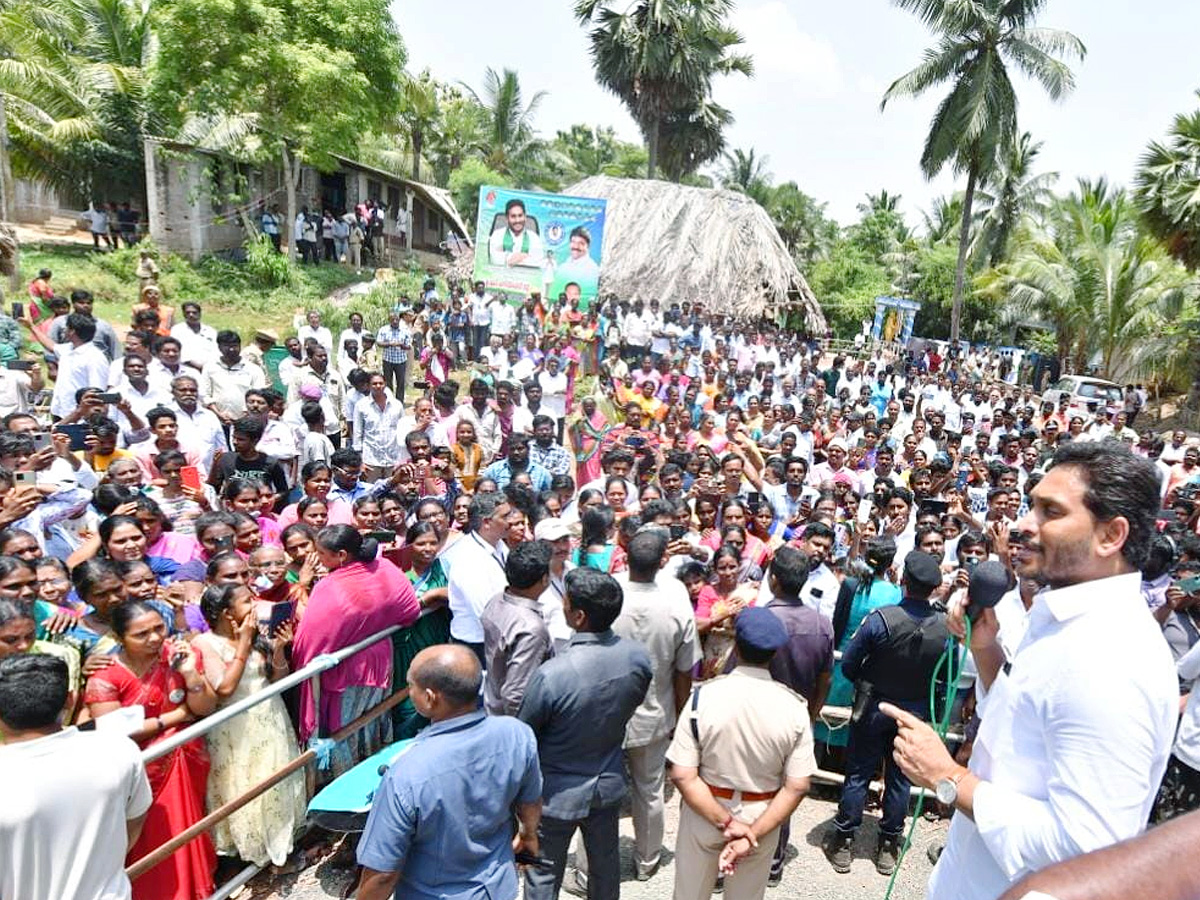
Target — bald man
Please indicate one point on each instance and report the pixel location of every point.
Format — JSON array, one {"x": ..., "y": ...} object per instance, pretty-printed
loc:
[{"x": 420, "y": 841}]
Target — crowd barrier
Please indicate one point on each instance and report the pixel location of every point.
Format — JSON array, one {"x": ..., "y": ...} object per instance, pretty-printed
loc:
[{"x": 834, "y": 716}]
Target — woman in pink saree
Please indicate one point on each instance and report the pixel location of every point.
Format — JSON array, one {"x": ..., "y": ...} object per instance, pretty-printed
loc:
[
  {"x": 587, "y": 430},
  {"x": 360, "y": 596}
]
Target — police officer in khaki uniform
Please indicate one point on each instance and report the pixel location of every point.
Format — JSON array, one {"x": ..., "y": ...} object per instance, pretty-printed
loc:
[{"x": 741, "y": 760}]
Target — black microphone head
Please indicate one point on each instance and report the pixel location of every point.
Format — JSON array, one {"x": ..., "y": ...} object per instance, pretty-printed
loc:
[{"x": 989, "y": 582}]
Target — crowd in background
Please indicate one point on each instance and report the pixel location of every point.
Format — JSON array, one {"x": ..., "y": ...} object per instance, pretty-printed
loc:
[{"x": 181, "y": 528}]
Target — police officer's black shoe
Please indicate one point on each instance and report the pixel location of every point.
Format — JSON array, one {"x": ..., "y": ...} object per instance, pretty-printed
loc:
[
  {"x": 887, "y": 853},
  {"x": 775, "y": 877},
  {"x": 838, "y": 848}
]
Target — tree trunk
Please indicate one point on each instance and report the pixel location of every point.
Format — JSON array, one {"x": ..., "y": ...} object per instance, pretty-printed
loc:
[
  {"x": 8, "y": 199},
  {"x": 418, "y": 144},
  {"x": 652, "y": 150},
  {"x": 960, "y": 269},
  {"x": 289, "y": 239}
]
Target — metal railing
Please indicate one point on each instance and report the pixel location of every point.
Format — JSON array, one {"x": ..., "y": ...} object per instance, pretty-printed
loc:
[
  {"x": 313, "y": 670},
  {"x": 833, "y": 716}
]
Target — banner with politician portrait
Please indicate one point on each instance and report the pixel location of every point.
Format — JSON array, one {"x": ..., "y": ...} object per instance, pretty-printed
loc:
[{"x": 530, "y": 242}]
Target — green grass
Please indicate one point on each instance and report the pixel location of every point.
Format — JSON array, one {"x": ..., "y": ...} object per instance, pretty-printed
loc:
[{"x": 231, "y": 295}]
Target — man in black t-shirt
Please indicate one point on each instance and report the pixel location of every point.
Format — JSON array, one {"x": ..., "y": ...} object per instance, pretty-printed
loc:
[{"x": 246, "y": 461}]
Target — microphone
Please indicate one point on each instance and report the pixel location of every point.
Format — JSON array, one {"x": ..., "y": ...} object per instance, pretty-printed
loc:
[{"x": 989, "y": 582}]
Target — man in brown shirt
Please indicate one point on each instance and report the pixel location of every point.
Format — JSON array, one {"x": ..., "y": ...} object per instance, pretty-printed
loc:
[{"x": 515, "y": 638}]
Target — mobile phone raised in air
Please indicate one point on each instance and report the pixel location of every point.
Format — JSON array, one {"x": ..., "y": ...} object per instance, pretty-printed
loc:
[
  {"x": 1189, "y": 585},
  {"x": 20, "y": 365},
  {"x": 189, "y": 477},
  {"x": 77, "y": 434}
]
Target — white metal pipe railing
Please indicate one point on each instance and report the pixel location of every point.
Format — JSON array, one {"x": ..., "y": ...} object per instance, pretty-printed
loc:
[{"x": 321, "y": 664}]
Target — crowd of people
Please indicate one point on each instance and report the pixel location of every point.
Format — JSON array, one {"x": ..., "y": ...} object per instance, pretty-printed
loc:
[{"x": 648, "y": 542}]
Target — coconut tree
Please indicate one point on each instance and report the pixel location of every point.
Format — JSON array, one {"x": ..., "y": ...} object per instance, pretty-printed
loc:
[
  {"x": 1095, "y": 276},
  {"x": 746, "y": 171},
  {"x": 1167, "y": 188},
  {"x": 1012, "y": 192},
  {"x": 943, "y": 219},
  {"x": 419, "y": 114},
  {"x": 976, "y": 44},
  {"x": 509, "y": 137},
  {"x": 72, "y": 75},
  {"x": 659, "y": 58}
]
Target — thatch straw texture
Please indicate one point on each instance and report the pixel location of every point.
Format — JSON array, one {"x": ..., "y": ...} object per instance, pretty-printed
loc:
[{"x": 716, "y": 248}]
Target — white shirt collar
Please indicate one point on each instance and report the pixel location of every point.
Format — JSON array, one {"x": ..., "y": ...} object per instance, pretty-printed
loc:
[{"x": 1087, "y": 596}]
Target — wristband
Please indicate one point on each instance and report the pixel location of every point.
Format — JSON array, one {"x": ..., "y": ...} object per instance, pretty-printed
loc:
[{"x": 726, "y": 823}]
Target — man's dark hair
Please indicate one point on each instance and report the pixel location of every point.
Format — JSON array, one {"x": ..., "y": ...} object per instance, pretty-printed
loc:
[
  {"x": 250, "y": 426},
  {"x": 414, "y": 438},
  {"x": 527, "y": 564},
  {"x": 818, "y": 529},
  {"x": 33, "y": 690},
  {"x": 595, "y": 593},
  {"x": 83, "y": 326},
  {"x": 540, "y": 420},
  {"x": 562, "y": 483},
  {"x": 514, "y": 202},
  {"x": 160, "y": 412},
  {"x": 458, "y": 687},
  {"x": 657, "y": 508},
  {"x": 646, "y": 551},
  {"x": 1118, "y": 483},
  {"x": 790, "y": 568},
  {"x": 345, "y": 457},
  {"x": 311, "y": 412},
  {"x": 225, "y": 336}
]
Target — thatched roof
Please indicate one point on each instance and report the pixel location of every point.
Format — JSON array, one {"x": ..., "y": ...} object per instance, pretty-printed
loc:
[{"x": 717, "y": 248}]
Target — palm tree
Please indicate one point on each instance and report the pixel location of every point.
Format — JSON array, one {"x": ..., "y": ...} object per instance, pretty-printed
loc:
[
  {"x": 802, "y": 223},
  {"x": 943, "y": 218},
  {"x": 881, "y": 202},
  {"x": 1092, "y": 274},
  {"x": 690, "y": 137},
  {"x": 977, "y": 42},
  {"x": 1167, "y": 188},
  {"x": 746, "y": 171},
  {"x": 72, "y": 75},
  {"x": 419, "y": 114},
  {"x": 509, "y": 138},
  {"x": 1013, "y": 191},
  {"x": 659, "y": 58}
]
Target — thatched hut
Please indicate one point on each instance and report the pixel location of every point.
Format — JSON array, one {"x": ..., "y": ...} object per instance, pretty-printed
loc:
[{"x": 717, "y": 248}]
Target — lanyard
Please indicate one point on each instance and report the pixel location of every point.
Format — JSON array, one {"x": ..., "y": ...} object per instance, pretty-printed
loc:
[{"x": 490, "y": 552}]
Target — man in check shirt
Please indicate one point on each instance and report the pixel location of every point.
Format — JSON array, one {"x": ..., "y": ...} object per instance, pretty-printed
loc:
[
  {"x": 1072, "y": 747},
  {"x": 377, "y": 429}
]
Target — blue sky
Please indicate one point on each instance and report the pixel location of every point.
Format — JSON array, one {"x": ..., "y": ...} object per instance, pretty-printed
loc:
[{"x": 822, "y": 68}]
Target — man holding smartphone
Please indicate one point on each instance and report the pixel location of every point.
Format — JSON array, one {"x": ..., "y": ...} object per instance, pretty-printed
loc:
[{"x": 20, "y": 379}]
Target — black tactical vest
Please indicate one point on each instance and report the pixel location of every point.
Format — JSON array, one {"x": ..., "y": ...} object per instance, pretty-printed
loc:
[{"x": 901, "y": 667}]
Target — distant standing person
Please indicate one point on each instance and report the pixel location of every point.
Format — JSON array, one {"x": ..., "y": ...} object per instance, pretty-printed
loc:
[
  {"x": 441, "y": 824},
  {"x": 47, "y": 848}
]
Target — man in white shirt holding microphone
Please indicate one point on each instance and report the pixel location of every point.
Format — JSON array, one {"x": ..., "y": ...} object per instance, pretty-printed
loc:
[{"x": 1076, "y": 728}]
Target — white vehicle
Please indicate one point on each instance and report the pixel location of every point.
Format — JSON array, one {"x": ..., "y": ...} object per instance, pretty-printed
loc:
[{"x": 1087, "y": 394}]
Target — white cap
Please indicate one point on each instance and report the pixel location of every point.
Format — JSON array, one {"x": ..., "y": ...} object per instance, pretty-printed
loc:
[{"x": 551, "y": 530}]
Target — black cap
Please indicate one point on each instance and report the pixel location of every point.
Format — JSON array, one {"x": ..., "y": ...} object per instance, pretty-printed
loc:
[{"x": 921, "y": 570}]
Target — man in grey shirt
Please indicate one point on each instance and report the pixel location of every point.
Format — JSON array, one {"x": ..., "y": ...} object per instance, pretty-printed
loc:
[
  {"x": 515, "y": 638},
  {"x": 658, "y": 615},
  {"x": 578, "y": 705}
]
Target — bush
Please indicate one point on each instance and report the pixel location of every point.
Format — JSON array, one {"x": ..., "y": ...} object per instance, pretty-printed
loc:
[{"x": 267, "y": 268}]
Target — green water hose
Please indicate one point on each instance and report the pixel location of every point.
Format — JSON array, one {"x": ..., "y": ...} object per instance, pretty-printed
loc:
[{"x": 952, "y": 661}]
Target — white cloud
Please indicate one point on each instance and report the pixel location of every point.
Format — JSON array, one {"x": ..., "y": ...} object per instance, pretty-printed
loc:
[{"x": 783, "y": 52}]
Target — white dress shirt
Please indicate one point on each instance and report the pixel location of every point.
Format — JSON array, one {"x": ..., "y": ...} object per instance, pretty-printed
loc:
[
  {"x": 377, "y": 431},
  {"x": 78, "y": 367},
  {"x": 196, "y": 347},
  {"x": 476, "y": 575},
  {"x": 320, "y": 334},
  {"x": 200, "y": 431},
  {"x": 1073, "y": 741}
]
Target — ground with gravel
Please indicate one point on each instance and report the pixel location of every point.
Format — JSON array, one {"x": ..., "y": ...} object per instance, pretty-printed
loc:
[{"x": 807, "y": 873}]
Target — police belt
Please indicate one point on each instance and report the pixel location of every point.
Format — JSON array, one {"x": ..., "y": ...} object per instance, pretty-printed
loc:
[{"x": 748, "y": 796}]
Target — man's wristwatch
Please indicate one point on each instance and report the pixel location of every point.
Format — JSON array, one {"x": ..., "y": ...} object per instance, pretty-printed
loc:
[{"x": 946, "y": 789}]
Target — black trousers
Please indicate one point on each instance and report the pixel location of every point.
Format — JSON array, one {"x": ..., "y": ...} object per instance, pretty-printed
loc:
[{"x": 600, "y": 842}]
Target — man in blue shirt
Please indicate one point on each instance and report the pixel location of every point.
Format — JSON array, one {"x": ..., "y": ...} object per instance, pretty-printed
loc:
[
  {"x": 578, "y": 704},
  {"x": 515, "y": 462},
  {"x": 441, "y": 822}
]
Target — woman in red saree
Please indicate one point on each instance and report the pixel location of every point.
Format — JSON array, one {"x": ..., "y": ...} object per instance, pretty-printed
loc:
[
  {"x": 587, "y": 431},
  {"x": 166, "y": 678}
]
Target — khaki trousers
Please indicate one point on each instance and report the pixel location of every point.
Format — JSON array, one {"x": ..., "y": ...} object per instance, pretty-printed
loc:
[
  {"x": 698, "y": 846},
  {"x": 647, "y": 781}
]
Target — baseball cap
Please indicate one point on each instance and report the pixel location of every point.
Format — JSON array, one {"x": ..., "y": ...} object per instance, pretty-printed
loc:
[{"x": 551, "y": 530}]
